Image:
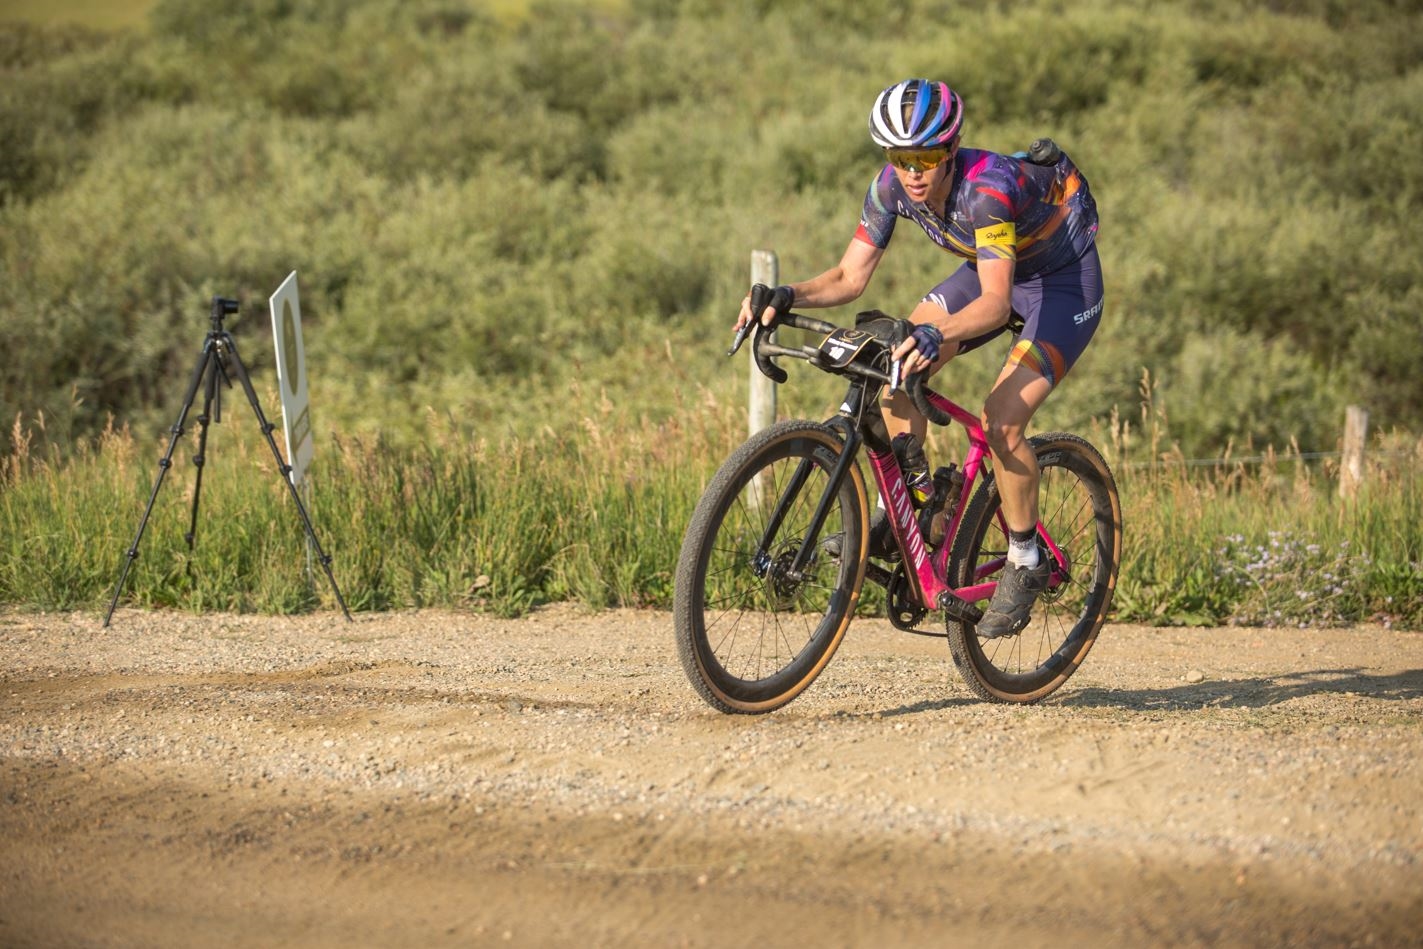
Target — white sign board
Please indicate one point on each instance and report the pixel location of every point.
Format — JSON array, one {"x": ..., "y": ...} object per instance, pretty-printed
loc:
[{"x": 291, "y": 376}]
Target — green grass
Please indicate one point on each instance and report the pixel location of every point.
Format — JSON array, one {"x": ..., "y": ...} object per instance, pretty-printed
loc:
[
  {"x": 595, "y": 515},
  {"x": 1262, "y": 537}
]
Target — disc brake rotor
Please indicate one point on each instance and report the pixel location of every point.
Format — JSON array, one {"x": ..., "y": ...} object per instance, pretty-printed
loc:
[{"x": 783, "y": 584}]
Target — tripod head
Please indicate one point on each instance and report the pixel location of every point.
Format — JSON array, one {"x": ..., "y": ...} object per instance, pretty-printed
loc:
[{"x": 221, "y": 306}]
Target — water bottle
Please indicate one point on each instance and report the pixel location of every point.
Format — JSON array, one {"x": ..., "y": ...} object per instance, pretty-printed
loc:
[
  {"x": 1044, "y": 151},
  {"x": 910, "y": 455},
  {"x": 934, "y": 520}
]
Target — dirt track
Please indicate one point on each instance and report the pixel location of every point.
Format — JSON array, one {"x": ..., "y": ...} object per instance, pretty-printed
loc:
[{"x": 436, "y": 779}]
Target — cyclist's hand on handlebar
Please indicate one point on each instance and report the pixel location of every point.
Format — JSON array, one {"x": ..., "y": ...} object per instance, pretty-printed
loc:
[
  {"x": 780, "y": 302},
  {"x": 921, "y": 350}
]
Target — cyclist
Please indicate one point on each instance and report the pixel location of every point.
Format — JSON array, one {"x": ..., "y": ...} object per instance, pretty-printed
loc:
[{"x": 1028, "y": 233}]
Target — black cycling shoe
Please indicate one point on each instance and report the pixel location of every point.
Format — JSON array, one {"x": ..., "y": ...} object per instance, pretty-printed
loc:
[
  {"x": 881, "y": 545},
  {"x": 1012, "y": 603}
]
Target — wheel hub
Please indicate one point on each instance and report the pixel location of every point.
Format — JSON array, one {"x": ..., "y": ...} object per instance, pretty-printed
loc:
[
  {"x": 783, "y": 582},
  {"x": 1062, "y": 573}
]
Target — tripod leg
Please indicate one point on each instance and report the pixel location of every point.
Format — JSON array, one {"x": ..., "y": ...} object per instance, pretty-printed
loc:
[
  {"x": 209, "y": 400},
  {"x": 205, "y": 362},
  {"x": 234, "y": 362}
]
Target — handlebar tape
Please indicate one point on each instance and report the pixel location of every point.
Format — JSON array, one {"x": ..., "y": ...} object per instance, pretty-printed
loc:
[
  {"x": 915, "y": 388},
  {"x": 763, "y": 362}
]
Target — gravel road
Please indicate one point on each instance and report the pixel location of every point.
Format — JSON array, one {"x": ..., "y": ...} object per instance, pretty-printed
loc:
[{"x": 429, "y": 778}]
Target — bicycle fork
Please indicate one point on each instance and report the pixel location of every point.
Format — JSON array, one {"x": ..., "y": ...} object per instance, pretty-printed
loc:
[{"x": 795, "y": 571}]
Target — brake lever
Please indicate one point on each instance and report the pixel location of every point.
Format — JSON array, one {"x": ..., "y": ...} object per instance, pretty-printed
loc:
[
  {"x": 895, "y": 367},
  {"x": 740, "y": 336}
]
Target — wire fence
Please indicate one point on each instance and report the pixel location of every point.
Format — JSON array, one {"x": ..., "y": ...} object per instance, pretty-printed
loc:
[{"x": 1275, "y": 458}]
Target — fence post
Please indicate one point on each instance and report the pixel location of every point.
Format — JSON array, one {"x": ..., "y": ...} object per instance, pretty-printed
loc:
[
  {"x": 1351, "y": 466},
  {"x": 761, "y": 404}
]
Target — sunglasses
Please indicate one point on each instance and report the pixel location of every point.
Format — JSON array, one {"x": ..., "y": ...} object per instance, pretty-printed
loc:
[{"x": 916, "y": 159}]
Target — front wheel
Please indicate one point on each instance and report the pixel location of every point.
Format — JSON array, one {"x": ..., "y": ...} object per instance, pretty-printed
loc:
[
  {"x": 753, "y": 629},
  {"x": 1080, "y": 510}
]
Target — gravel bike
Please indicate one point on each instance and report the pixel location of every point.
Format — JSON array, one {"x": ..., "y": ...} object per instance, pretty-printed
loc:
[{"x": 773, "y": 561}]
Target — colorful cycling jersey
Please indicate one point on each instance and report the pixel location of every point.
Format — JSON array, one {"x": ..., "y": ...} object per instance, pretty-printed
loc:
[{"x": 999, "y": 207}]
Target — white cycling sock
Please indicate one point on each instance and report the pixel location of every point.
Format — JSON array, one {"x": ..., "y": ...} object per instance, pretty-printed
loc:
[{"x": 1023, "y": 553}]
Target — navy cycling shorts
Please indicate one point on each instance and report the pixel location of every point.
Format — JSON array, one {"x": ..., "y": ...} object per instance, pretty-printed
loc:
[{"x": 1060, "y": 312}]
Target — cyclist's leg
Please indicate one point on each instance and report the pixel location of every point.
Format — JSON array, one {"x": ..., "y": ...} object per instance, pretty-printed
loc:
[
  {"x": 953, "y": 294},
  {"x": 1060, "y": 312},
  {"x": 1016, "y": 396}
]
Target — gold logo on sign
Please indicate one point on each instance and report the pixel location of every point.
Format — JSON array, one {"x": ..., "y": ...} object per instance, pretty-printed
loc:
[{"x": 289, "y": 353}]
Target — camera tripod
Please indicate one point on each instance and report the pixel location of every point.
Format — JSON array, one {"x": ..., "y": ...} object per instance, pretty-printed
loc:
[{"x": 219, "y": 356}]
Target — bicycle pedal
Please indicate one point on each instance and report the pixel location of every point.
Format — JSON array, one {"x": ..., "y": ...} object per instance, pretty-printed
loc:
[{"x": 959, "y": 609}]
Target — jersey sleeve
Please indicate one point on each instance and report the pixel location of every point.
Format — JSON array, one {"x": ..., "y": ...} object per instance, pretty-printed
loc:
[
  {"x": 992, "y": 211},
  {"x": 877, "y": 217}
]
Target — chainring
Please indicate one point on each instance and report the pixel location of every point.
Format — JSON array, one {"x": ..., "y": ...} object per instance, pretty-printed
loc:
[{"x": 904, "y": 613}]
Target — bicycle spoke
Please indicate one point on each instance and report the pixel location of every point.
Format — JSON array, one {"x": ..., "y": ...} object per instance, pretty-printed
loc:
[
  {"x": 756, "y": 614},
  {"x": 1079, "y": 514}
]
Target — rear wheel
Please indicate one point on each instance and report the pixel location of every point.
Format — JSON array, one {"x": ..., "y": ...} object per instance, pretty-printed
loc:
[
  {"x": 1079, "y": 507},
  {"x": 753, "y": 631}
]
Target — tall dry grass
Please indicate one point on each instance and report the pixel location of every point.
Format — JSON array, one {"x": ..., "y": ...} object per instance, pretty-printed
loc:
[{"x": 595, "y": 514}]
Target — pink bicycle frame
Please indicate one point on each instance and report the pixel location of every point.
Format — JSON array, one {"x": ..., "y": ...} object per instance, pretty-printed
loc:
[{"x": 928, "y": 574}]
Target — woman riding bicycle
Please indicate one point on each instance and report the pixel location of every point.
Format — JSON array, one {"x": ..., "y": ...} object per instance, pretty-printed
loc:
[{"x": 1028, "y": 232}]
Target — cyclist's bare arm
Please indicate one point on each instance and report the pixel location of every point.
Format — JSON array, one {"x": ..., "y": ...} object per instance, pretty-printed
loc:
[{"x": 840, "y": 284}]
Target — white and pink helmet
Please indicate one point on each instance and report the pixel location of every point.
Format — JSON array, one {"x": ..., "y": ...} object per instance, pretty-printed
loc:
[{"x": 916, "y": 113}]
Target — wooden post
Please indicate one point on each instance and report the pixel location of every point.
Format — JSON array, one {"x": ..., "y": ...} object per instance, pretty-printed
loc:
[
  {"x": 761, "y": 405},
  {"x": 1351, "y": 466}
]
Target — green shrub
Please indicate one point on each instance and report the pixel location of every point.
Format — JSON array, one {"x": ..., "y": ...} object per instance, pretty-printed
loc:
[{"x": 482, "y": 200}]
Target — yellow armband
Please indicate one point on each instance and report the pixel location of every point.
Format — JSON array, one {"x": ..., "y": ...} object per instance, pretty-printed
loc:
[{"x": 997, "y": 240}]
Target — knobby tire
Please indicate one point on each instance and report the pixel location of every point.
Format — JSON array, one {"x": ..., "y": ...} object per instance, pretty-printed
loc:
[
  {"x": 1079, "y": 506},
  {"x": 751, "y": 634}
]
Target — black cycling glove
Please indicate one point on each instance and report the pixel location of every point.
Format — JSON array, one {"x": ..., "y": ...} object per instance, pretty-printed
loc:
[
  {"x": 762, "y": 296},
  {"x": 928, "y": 339}
]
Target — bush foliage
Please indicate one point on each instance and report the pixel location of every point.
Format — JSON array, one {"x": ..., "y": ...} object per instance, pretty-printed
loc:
[
  {"x": 522, "y": 231},
  {"x": 482, "y": 205}
]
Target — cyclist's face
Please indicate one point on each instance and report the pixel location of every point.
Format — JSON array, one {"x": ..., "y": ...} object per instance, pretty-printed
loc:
[{"x": 920, "y": 183}]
